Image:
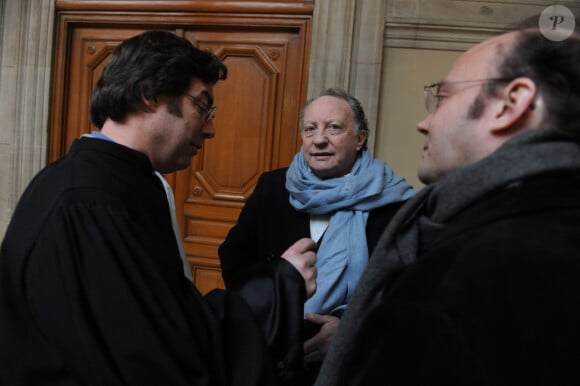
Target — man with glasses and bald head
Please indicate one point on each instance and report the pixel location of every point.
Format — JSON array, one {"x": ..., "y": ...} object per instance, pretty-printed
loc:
[{"x": 476, "y": 280}]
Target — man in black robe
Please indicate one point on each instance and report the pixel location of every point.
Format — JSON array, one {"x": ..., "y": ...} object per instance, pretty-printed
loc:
[
  {"x": 92, "y": 283},
  {"x": 476, "y": 280}
]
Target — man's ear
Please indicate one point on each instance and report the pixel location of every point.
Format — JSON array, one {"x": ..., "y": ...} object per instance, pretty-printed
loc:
[
  {"x": 150, "y": 105},
  {"x": 514, "y": 105},
  {"x": 362, "y": 137}
]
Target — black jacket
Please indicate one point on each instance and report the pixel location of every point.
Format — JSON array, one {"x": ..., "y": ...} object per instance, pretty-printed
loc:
[
  {"x": 490, "y": 301},
  {"x": 268, "y": 225}
]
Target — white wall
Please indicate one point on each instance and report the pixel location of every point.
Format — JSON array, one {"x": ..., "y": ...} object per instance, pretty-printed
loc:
[{"x": 405, "y": 72}]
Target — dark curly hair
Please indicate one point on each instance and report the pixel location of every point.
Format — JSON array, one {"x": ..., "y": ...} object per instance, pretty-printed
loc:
[{"x": 150, "y": 65}]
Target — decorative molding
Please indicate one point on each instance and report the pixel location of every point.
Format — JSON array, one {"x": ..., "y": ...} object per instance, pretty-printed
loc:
[
  {"x": 457, "y": 25},
  {"x": 436, "y": 37},
  {"x": 296, "y": 7}
]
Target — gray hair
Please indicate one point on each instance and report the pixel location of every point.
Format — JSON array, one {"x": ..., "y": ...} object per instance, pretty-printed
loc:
[{"x": 360, "y": 120}]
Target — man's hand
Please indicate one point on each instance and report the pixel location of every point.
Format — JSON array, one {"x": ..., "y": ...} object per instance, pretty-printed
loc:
[
  {"x": 316, "y": 347},
  {"x": 302, "y": 256}
]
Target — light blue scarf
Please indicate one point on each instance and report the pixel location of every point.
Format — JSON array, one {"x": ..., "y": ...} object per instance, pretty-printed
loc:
[{"x": 343, "y": 255}]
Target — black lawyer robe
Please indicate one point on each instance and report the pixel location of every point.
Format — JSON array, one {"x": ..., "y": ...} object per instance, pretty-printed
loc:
[{"x": 92, "y": 289}]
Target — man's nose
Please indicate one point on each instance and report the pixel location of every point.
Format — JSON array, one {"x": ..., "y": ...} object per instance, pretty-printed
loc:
[{"x": 209, "y": 129}]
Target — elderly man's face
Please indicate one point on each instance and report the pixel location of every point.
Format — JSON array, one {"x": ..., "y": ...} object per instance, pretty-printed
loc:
[{"x": 329, "y": 141}]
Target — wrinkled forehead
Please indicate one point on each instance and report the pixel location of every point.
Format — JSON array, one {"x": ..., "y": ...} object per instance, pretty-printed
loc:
[{"x": 331, "y": 105}]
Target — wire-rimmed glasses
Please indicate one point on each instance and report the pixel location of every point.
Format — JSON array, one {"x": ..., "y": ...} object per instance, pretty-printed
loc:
[
  {"x": 431, "y": 95},
  {"x": 206, "y": 111}
]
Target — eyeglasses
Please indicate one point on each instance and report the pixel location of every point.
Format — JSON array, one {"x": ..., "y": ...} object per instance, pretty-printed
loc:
[
  {"x": 432, "y": 98},
  {"x": 204, "y": 110},
  {"x": 332, "y": 130}
]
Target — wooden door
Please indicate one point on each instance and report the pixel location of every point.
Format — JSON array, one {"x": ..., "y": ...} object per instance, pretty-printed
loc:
[{"x": 258, "y": 105}]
